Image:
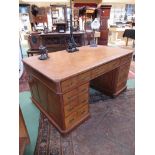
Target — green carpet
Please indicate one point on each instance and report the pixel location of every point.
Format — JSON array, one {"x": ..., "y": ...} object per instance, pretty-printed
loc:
[
  {"x": 31, "y": 115},
  {"x": 131, "y": 83}
]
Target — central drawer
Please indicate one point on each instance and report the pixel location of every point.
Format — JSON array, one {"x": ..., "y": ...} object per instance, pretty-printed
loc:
[{"x": 105, "y": 68}]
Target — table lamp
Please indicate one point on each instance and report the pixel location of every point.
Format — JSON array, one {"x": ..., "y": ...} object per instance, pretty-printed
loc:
[{"x": 95, "y": 25}]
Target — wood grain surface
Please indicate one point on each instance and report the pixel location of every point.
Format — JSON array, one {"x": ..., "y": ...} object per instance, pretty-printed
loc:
[{"x": 62, "y": 64}]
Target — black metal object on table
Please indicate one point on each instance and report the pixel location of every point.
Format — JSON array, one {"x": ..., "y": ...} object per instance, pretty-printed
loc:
[
  {"x": 72, "y": 46},
  {"x": 44, "y": 53}
]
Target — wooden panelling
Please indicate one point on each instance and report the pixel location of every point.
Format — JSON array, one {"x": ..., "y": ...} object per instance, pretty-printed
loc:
[
  {"x": 50, "y": 84},
  {"x": 126, "y": 59},
  {"x": 43, "y": 92},
  {"x": 55, "y": 107},
  {"x": 122, "y": 76},
  {"x": 34, "y": 88},
  {"x": 106, "y": 82}
]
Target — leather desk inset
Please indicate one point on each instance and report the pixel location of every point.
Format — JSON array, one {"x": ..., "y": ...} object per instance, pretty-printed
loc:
[{"x": 60, "y": 85}]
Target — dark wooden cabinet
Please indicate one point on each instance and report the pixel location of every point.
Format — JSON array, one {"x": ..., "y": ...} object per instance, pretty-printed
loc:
[
  {"x": 41, "y": 17},
  {"x": 104, "y": 16}
]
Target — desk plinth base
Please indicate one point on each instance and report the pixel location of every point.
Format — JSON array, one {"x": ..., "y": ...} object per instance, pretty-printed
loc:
[{"x": 63, "y": 132}]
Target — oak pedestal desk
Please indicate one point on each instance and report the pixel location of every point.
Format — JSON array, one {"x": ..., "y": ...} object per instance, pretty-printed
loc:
[{"x": 60, "y": 85}]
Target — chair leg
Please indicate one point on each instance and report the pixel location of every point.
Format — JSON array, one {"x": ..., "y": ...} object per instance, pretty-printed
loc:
[{"x": 127, "y": 42}]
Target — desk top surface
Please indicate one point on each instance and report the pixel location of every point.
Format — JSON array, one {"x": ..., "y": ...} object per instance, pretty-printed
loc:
[{"x": 62, "y": 64}]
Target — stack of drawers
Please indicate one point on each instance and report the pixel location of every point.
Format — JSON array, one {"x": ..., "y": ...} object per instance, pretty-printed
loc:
[
  {"x": 76, "y": 107},
  {"x": 76, "y": 98}
]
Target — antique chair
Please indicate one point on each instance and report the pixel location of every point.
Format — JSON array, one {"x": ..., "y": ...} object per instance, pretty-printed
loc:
[
  {"x": 129, "y": 33},
  {"x": 34, "y": 43}
]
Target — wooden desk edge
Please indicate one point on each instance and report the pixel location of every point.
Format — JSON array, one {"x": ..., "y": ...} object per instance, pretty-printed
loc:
[{"x": 58, "y": 80}]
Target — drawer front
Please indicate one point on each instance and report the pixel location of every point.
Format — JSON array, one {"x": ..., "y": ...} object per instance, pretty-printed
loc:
[
  {"x": 71, "y": 120},
  {"x": 83, "y": 99},
  {"x": 69, "y": 108},
  {"x": 96, "y": 72},
  {"x": 126, "y": 59},
  {"x": 69, "y": 84},
  {"x": 83, "y": 89},
  {"x": 85, "y": 77},
  {"x": 68, "y": 97},
  {"x": 82, "y": 112},
  {"x": 113, "y": 64},
  {"x": 99, "y": 71},
  {"x": 105, "y": 68}
]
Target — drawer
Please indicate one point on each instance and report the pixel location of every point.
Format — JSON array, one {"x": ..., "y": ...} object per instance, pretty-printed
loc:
[
  {"x": 126, "y": 59},
  {"x": 85, "y": 77},
  {"x": 96, "y": 72},
  {"x": 71, "y": 120},
  {"x": 99, "y": 71},
  {"x": 68, "y": 97},
  {"x": 82, "y": 112},
  {"x": 105, "y": 68},
  {"x": 84, "y": 88},
  {"x": 83, "y": 99},
  {"x": 69, "y": 108},
  {"x": 113, "y": 64},
  {"x": 68, "y": 84}
]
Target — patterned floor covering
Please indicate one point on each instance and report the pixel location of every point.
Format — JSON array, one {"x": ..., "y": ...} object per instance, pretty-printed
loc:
[{"x": 109, "y": 130}]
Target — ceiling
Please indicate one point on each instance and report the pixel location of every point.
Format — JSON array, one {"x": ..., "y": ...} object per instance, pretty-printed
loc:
[{"x": 66, "y": 2}]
